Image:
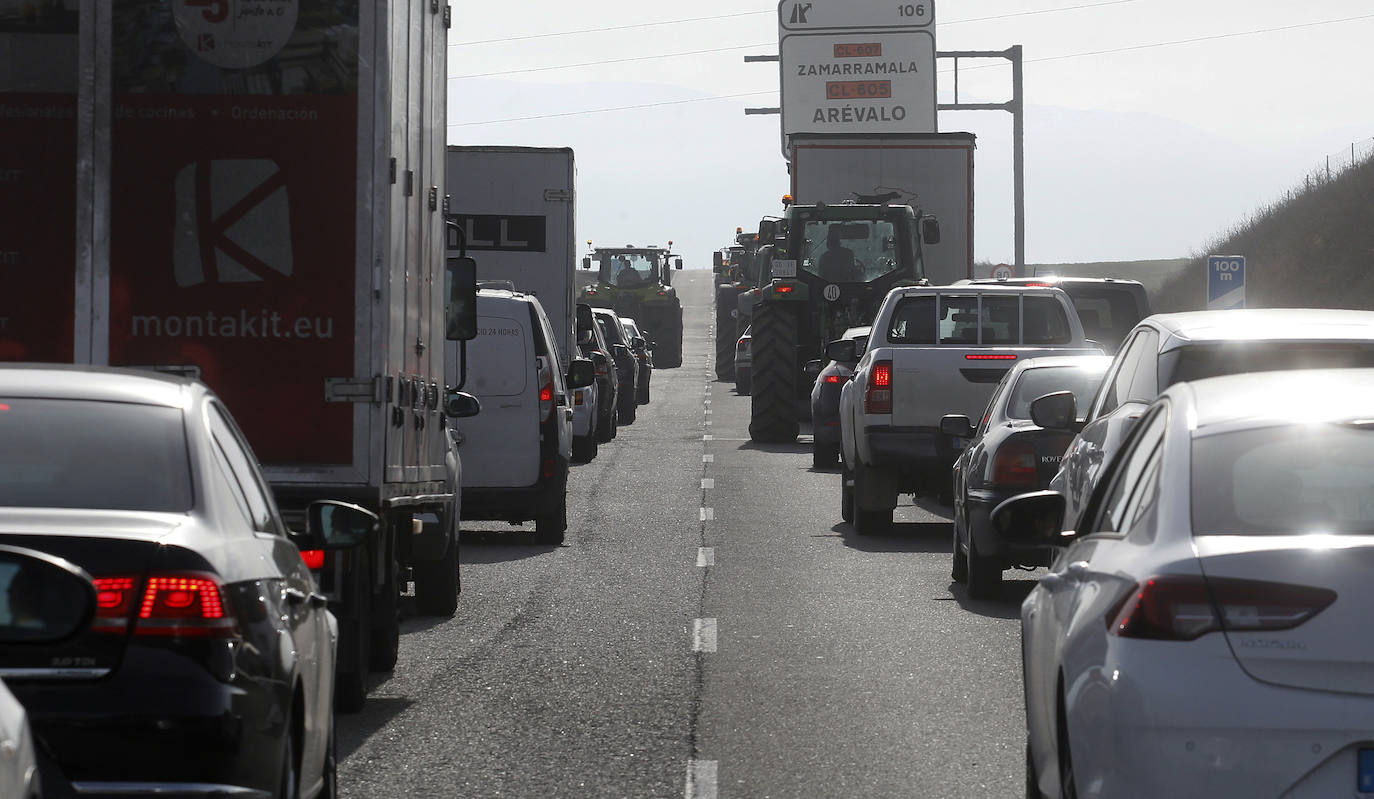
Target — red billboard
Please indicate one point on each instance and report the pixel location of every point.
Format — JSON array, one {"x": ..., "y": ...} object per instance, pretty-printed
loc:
[
  {"x": 234, "y": 150},
  {"x": 37, "y": 181}
]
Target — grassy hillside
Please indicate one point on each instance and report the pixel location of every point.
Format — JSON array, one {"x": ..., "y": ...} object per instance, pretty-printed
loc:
[{"x": 1313, "y": 249}]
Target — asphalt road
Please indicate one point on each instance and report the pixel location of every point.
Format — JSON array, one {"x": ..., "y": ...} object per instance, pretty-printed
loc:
[{"x": 710, "y": 628}]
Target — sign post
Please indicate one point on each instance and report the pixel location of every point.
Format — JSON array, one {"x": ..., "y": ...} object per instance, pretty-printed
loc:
[{"x": 1225, "y": 282}]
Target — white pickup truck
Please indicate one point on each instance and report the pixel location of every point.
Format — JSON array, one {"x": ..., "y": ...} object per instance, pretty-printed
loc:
[{"x": 935, "y": 351}]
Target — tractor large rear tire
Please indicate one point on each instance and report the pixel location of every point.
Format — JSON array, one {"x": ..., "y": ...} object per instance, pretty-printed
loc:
[
  {"x": 773, "y": 409},
  {"x": 726, "y": 298},
  {"x": 672, "y": 335}
]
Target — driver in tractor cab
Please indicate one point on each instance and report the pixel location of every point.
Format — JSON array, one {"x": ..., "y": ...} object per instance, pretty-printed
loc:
[
  {"x": 624, "y": 273},
  {"x": 837, "y": 262}
]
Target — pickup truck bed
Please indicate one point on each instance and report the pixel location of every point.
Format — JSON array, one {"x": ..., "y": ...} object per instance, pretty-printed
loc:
[{"x": 935, "y": 351}]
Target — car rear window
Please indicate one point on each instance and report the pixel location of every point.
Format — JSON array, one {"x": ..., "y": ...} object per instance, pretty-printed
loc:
[
  {"x": 497, "y": 358},
  {"x": 57, "y": 453},
  {"x": 1036, "y": 383},
  {"x": 1285, "y": 480},
  {"x": 1107, "y": 314},
  {"x": 1006, "y": 320},
  {"x": 1214, "y": 360}
]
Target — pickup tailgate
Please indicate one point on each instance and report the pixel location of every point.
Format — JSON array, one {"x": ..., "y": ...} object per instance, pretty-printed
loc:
[{"x": 930, "y": 382}]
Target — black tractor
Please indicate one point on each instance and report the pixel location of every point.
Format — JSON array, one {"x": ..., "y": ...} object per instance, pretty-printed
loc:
[
  {"x": 826, "y": 268},
  {"x": 736, "y": 270}
]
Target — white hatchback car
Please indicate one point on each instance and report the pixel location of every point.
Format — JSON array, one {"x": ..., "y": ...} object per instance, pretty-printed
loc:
[{"x": 1205, "y": 631}]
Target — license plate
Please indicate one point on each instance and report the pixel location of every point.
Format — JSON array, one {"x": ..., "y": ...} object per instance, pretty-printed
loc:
[{"x": 1364, "y": 775}]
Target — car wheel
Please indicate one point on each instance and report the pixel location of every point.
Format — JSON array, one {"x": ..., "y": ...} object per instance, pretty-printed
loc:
[
  {"x": 330, "y": 777},
  {"x": 744, "y": 383},
  {"x": 615, "y": 422},
  {"x": 958, "y": 571},
  {"x": 868, "y": 522},
  {"x": 1032, "y": 783},
  {"x": 824, "y": 456},
  {"x": 551, "y": 528},
  {"x": 584, "y": 449},
  {"x": 290, "y": 784},
  {"x": 846, "y": 494},
  {"x": 628, "y": 409},
  {"x": 984, "y": 574},
  {"x": 1067, "y": 789}
]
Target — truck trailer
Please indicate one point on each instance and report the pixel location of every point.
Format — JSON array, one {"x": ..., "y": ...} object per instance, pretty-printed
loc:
[{"x": 256, "y": 201}]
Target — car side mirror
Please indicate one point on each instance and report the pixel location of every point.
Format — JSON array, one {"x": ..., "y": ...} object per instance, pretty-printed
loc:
[
  {"x": 1032, "y": 521},
  {"x": 637, "y": 343},
  {"x": 599, "y": 359},
  {"x": 586, "y": 263},
  {"x": 460, "y": 299},
  {"x": 717, "y": 261},
  {"x": 677, "y": 263},
  {"x": 813, "y": 369},
  {"x": 585, "y": 337},
  {"x": 461, "y": 405},
  {"x": 331, "y": 524},
  {"x": 581, "y": 373},
  {"x": 930, "y": 230},
  {"x": 49, "y": 599},
  {"x": 842, "y": 350},
  {"x": 1057, "y": 411},
  {"x": 956, "y": 425}
]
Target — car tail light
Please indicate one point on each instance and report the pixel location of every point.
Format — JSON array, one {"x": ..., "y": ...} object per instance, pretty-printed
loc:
[
  {"x": 577, "y": 398},
  {"x": 545, "y": 377},
  {"x": 878, "y": 398},
  {"x": 783, "y": 289},
  {"x": 743, "y": 345},
  {"x": 314, "y": 559},
  {"x": 1182, "y": 608},
  {"x": 114, "y": 602},
  {"x": 1015, "y": 465},
  {"x": 836, "y": 378},
  {"x": 993, "y": 356},
  {"x": 184, "y": 605},
  {"x": 548, "y": 468}
]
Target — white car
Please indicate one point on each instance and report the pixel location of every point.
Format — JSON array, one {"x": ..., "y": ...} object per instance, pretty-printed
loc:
[
  {"x": 516, "y": 453},
  {"x": 1205, "y": 631},
  {"x": 18, "y": 764}
]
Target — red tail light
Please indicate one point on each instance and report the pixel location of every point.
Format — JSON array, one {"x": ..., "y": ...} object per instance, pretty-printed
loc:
[
  {"x": 548, "y": 468},
  {"x": 878, "y": 398},
  {"x": 783, "y": 289},
  {"x": 577, "y": 399},
  {"x": 836, "y": 378},
  {"x": 114, "y": 602},
  {"x": 991, "y": 357},
  {"x": 314, "y": 559},
  {"x": 1182, "y": 608},
  {"x": 185, "y": 605},
  {"x": 1015, "y": 465},
  {"x": 544, "y": 374}
]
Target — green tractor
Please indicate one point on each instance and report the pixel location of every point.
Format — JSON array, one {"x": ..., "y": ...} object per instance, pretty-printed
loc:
[
  {"x": 637, "y": 282},
  {"x": 736, "y": 270},
  {"x": 828, "y": 269}
]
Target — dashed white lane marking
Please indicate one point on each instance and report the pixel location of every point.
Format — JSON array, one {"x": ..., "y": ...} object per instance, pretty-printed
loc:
[
  {"x": 708, "y": 458},
  {"x": 708, "y": 421},
  {"x": 701, "y": 779},
  {"x": 708, "y": 514},
  {"x": 709, "y": 437},
  {"x": 708, "y": 482},
  {"x": 708, "y": 411},
  {"x": 706, "y": 556},
  {"x": 708, "y": 402},
  {"x": 704, "y": 635}
]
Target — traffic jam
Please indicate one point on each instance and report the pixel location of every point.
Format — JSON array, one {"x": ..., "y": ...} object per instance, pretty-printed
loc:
[{"x": 291, "y": 369}]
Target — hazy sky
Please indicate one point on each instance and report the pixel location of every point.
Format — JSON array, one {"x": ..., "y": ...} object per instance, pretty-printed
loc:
[{"x": 1143, "y": 153}]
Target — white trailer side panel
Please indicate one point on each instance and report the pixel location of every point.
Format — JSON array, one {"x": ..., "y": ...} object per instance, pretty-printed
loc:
[
  {"x": 931, "y": 171},
  {"x": 516, "y": 206}
]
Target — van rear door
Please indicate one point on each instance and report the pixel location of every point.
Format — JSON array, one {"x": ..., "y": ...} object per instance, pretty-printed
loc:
[{"x": 501, "y": 445}]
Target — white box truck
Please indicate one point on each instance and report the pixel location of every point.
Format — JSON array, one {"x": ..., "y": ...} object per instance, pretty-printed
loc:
[
  {"x": 256, "y": 200},
  {"x": 516, "y": 207},
  {"x": 929, "y": 171}
]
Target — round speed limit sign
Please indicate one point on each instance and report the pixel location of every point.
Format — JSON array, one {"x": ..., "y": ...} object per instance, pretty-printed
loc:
[{"x": 831, "y": 292}]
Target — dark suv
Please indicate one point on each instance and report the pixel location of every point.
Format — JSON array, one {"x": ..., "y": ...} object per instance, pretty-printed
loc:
[
  {"x": 626, "y": 364},
  {"x": 1107, "y": 307},
  {"x": 591, "y": 342}
]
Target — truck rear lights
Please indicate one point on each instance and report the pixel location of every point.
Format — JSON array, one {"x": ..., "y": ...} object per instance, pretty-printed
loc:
[
  {"x": 1015, "y": 465},
  {"x": 314, "y": 559},
  {"x": 184, "y": 605},
  {"x": 1182, "y": 608},
  {"x": 878, "y": 398},
  {"x": 114, "y": 600},
  {"x": 548, "y": 468},
  {"x": 997, "y": 356},
  {"x": 783, "y": 289},
  {"x": 544, "y": 374}
]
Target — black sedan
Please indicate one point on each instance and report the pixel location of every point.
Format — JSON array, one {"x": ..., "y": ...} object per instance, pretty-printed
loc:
[
  {"x": 825, "y": 399},
  {"x": 1008, "y": 455},
  {"x": 209, "y": 666}
]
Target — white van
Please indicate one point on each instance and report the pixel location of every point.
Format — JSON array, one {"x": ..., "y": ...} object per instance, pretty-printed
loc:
[{"x": 516, "y": 453}]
